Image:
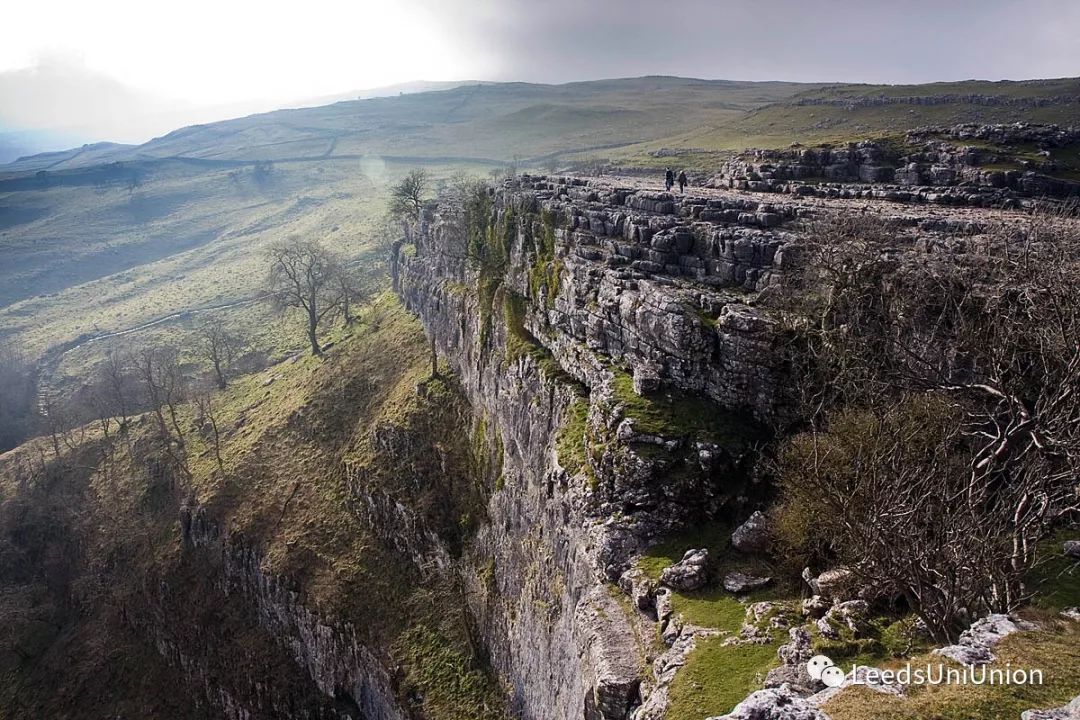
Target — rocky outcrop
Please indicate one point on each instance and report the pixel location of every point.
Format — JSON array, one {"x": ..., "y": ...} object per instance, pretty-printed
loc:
[
  {"x": 738, "y": 582},
  {"x": 690, "y": 573},
  {"x": 943, "y": 99},
  {"x": 1068, "y": 711},
  {"x": 753, "y": 535},
  {"x": 335, "y": 676},
  {"x": 977, "y": 642},
  {"x": 586, "y": 322},
  {"x": 956, "y": 165}
]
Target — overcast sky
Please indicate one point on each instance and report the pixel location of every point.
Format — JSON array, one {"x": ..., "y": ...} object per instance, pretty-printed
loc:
[{"x": 128, "y": 69}]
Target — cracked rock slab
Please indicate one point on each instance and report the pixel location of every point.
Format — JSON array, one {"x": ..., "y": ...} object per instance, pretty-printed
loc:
[
  {"x": 779, "y": 703},
  {"x": 738, "y": 582},
  {"x": 975, "y": 644}
]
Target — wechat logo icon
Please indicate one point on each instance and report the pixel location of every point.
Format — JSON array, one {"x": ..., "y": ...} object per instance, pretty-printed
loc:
[{"x": 822, "y": 668}]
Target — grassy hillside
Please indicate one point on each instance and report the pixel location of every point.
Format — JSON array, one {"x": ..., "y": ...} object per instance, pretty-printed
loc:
[
  {"x": 109, "y": 239},
  {"x": 97, "y": 580},
  {"x": 844, "y": 116},
  {"x": 492, "y": 121}
]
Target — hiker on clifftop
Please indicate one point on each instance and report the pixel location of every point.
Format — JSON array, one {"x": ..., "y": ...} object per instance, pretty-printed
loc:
[
  {"x": 669, "y": 179},
  {"x": 682, "y": 181}
]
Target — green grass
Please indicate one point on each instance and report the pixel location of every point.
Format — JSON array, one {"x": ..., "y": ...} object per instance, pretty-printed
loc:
[
  {"x": 1056, "y": 578},
  {"x": 718, "y": 677}
]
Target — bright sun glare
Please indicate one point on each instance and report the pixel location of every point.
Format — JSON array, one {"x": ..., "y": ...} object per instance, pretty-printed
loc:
[{"x": 215, "y": 51}]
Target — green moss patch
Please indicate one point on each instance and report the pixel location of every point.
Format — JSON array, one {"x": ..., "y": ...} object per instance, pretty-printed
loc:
[
  {"x": 717, "y": 677},
  {"x": 678, "y": 414},
  {"x": 441, "y": 681},
  {"x": 572, "y": 440},
  {"x": 520, "y": 342}
]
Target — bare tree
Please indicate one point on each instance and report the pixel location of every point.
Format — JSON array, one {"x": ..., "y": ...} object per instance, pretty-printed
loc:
[
  {"x": 164, "y": 384},
  {"x": 408, "y": 196},
  {"x": 349, "y": 286},
  {"x": 302, "y": 276},
  {"x": 114, "y": 393},
  {"x": 55, "y": 416},
  {"x": 207, "y": 419},
  {"x": 219, "y": 348}
]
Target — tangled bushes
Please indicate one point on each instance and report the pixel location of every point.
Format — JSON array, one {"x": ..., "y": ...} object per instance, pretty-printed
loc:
[{"x": 942, "y": 388}]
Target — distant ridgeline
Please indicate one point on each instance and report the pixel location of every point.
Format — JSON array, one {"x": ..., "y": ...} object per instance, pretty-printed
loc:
[{"x": 945, "y": 99}]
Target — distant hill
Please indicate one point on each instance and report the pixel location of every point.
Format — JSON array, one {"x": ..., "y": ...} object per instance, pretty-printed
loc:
[
  {"x": 853, "y": 111},
  {"x": 478, "y": 121},
  {"x": 625, "y": 118},
  {"x": 91, "y": 153},
  {"x": 16, "y": 145}
]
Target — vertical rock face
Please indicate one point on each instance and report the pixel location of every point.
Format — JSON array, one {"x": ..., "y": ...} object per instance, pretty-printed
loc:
[
  {"x": 615, "y": 315},
  {"x": 333, "y": 676}
]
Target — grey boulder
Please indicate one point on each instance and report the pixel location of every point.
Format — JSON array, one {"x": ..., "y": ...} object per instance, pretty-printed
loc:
[
  {"x": 1071, "y": 711},
  {"x": 738, "y": 582},
  {"x": 975, "y": 643},
  {"x": 690, "y": 573},
  {"x": 779, "y": 703},
  {"x": 753, "y": 535}
]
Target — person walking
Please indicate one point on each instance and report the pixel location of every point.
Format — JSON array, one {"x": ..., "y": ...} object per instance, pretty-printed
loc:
[
  {"x": 669, "y": 180},
  {"x": 682, "y": 182}
]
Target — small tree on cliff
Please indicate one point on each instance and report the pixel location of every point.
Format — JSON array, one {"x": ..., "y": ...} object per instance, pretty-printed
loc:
[
  {"x": 409, "y": 195},
  {"x": 301, "y": 277}
]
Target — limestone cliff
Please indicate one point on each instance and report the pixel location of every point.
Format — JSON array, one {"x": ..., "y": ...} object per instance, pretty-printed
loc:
[{"x": 622, "y": 370}]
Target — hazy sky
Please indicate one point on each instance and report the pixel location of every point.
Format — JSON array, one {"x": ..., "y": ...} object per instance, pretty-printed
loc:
[{"x": 125, "y": 69}]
